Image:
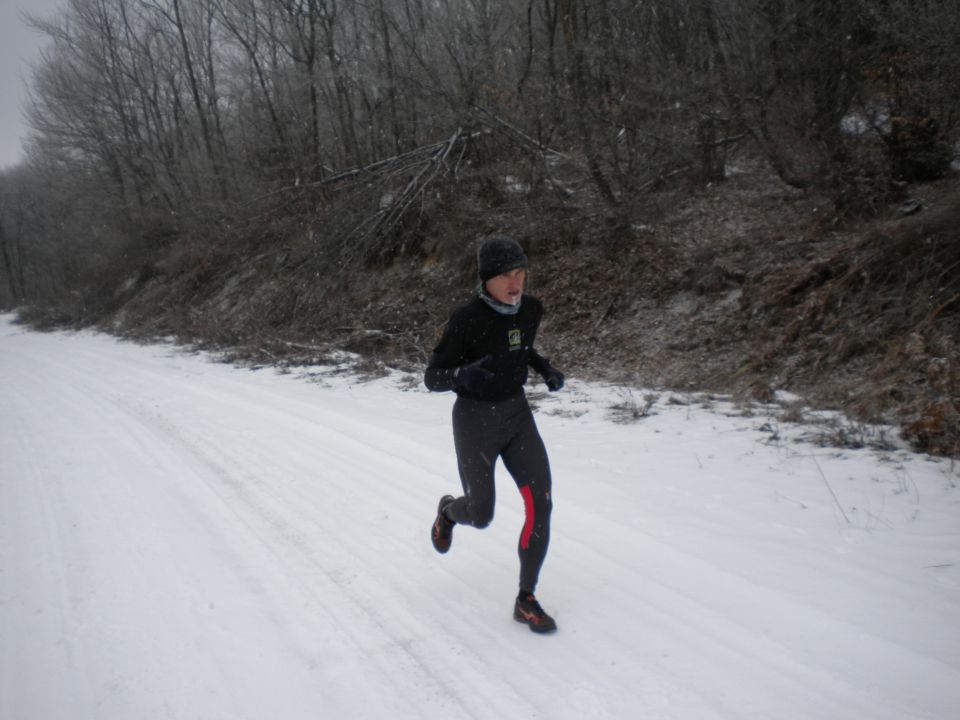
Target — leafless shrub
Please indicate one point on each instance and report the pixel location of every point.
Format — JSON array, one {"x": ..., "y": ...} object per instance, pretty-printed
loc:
[{"x": 630, "y": 409}]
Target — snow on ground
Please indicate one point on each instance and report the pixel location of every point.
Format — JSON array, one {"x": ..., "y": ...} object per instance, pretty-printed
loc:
[{"x": 183, "y": 539}]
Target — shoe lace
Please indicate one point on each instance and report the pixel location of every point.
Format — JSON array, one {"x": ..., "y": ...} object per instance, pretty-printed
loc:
[{"x": 531, "y": 605}]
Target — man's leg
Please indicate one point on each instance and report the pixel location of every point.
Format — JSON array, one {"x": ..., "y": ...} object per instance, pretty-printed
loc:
[
  {"x": 475, "y": 438},
  {"x": 526, "y": 460}
]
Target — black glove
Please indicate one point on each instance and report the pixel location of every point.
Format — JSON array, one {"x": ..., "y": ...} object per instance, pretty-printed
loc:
[
  {"x": 474, "y": 376},
  {"x": 552, "y": 377}
]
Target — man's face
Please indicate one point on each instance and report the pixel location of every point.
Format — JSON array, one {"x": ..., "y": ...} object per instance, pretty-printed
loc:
[{"x": 508, "y": 287}]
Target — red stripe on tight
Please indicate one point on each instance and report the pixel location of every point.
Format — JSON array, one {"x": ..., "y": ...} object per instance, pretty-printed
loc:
[{"x": 528, "y": 523}]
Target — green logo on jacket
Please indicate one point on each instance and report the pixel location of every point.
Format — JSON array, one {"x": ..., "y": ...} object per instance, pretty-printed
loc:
[{"x": 514, "y": 339}]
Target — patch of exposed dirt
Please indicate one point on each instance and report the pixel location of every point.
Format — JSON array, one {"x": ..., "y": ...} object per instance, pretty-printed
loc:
[{"x": 746, "y": 287}]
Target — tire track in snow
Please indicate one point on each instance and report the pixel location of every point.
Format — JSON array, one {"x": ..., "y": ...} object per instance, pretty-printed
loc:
[
  {"x": 269, "y": 517},
  {"x": 347, "y": 453},
  {"x": 32, "y": 586},
  {"x": 295, "y": 516}
]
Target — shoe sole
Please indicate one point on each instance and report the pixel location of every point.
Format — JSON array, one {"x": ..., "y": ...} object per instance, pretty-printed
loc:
[{"x": 539, "y": 629}]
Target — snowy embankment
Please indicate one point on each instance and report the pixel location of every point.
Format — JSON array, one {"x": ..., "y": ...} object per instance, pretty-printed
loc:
[{"x": 183, "y": 539}]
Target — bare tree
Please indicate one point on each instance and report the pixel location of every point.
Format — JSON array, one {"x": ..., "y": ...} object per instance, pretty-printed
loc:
[
  {"x": 193, "y": 46},
  {"x": 252, "y": 29}
]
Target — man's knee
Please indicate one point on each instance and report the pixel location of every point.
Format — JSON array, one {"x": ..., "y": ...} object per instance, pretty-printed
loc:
[
  {"x": 544, "y": 507},
  {"x": 481, "y": 514},
  {"x": 539, "y": 503}
]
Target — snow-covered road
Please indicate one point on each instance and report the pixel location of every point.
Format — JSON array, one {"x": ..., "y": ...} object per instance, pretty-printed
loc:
[{"x": 183, "y": 539}]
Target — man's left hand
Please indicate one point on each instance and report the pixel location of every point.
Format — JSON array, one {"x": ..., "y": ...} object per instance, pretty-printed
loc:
[{"x": 553, "y": 378}]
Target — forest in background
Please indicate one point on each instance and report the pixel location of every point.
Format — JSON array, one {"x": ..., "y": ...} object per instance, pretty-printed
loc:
[{"x": 728, "y": 195}]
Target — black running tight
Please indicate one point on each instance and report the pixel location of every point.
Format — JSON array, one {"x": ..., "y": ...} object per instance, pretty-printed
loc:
[{"x": 484, "y": 431}]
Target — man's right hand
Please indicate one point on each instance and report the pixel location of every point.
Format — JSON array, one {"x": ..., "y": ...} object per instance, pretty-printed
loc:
[{"x": 474, "y": 376}]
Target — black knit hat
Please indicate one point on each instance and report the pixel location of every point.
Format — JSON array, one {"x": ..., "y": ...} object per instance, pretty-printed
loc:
[{"x": 497, "y": 255}]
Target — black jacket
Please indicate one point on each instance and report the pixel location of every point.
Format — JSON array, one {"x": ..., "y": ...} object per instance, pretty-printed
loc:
[{"x": 476, "y": 330}]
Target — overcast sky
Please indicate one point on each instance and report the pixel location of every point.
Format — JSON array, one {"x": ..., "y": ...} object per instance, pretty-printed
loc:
[{"x": 18, "y": 47}]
